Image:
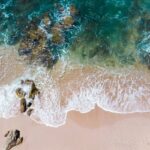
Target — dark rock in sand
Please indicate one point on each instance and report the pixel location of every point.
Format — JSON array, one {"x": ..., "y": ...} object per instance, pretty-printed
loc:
[
  {"x": 13, "y": 139},
  {"x": 34, "y": 45},
  {"x": 23, "y": 105},
  {"x": 47, "y": 20},
  {"x": 20, "y": 93},
  {"x": 29, "y": 112}
]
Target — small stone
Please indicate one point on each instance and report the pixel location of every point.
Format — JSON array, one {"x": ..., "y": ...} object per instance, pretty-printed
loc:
[
  {"x": 20, "y": 93},
  {"x": 13, "y": 139},
  {"x": 29, "y": 104},
  {"x": 34, "y": 91},
  {"x": 23, "y": 105},
  {"x": 56, "y": 38},
  {"x": 29, "y": 112}
]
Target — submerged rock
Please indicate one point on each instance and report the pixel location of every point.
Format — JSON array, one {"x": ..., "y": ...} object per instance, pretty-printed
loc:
[
  {"x": 23, "y": 105},
  {"x": 68, "y": 21},
  {"x": 13, "y": 139},
  {"x": 73, "y": 10},
  {"x": 43, "y": 39},
  {"x": 57, "y": 37}
]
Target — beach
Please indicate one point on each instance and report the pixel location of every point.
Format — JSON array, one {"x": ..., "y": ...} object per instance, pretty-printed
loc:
[
  {"x": 75, "y": 75},
  {"x": 96, "y": 130}
]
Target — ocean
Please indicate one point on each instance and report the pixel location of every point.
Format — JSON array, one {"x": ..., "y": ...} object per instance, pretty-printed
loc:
[{"x": 80, "y": 54}]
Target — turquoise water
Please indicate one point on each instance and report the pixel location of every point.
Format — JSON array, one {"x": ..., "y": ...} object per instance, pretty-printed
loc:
[{"x": 106, "y": 29}]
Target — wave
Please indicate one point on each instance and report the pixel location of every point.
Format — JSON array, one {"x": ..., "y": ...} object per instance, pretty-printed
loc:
[
  {"x": 107, "y": 31},
  {"x": 73, "y": 87}
]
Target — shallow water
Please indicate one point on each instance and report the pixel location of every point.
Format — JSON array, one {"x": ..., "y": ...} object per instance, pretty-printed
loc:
[{"x": 103, "y": 61}]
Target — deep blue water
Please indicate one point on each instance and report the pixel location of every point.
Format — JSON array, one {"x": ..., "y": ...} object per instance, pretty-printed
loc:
[{"x": 105, "y": 28}]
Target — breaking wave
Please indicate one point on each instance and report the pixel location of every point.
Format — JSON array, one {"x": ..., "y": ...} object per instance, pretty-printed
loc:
[{"x": 79, "y": 88}]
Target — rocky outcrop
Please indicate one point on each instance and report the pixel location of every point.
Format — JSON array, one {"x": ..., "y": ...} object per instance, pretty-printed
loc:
[
  {"x": 44, "y": 37},
  {"x": 27, "y": 98},
  {"x": 57, "y": 37},
  {"x": 13, "y": 139}
]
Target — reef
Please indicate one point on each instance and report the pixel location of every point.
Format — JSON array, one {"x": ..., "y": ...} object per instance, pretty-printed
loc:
[{"x": 43, "y": 37}]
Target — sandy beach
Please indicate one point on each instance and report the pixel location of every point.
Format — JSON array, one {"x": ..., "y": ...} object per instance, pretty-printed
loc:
[
  {"x": 75, "y": 75},
  {"x": 96, "y": 130}
]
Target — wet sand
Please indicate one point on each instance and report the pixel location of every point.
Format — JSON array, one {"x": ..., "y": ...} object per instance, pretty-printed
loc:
[
  {"x": 11, "y": 66},
  {"x": 96, "y": 130}
]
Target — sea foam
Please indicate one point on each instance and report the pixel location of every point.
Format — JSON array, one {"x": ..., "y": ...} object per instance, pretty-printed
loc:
[{"x": 80, "y": 88}]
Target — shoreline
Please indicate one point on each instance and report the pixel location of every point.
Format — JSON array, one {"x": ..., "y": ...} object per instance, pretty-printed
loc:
[{"x": 72, "y": 86}]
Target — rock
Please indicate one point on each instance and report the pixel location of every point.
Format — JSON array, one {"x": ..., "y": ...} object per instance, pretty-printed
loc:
[
  {"x": 28, "y": 82},
  {"x": 47, "y": 20},
  {"x": 23, "y": 105},
  {"x": 29, "y": 104},
  {"x": 29, "y": 112},
  {"x": 57, "y": 37},
  {"x": 73, "y": 10},
  {"x": 34, "y": 91},
  {"x": 13, "y": 139},
  {"x": 68, "y": 21},
  {"x": 20, "y": 93}
]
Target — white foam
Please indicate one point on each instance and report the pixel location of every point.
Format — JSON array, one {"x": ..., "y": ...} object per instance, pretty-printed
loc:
[{"x": 120, "y": 94}]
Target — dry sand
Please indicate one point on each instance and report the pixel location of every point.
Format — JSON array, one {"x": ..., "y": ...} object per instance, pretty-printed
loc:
[{"x": 97, "y": 130}]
